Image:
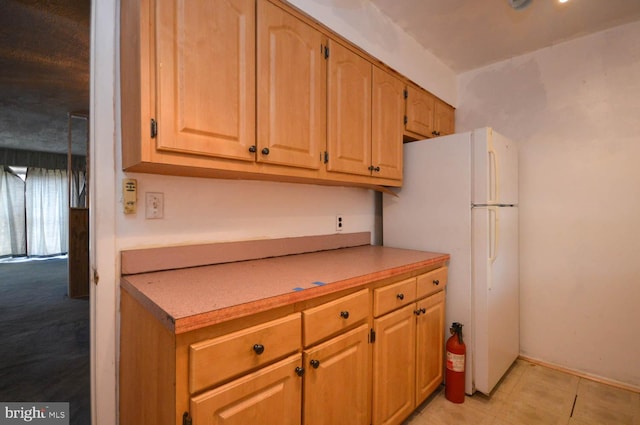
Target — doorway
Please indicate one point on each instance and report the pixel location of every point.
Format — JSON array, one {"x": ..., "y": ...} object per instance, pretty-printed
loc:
[{"x": 44, "y": 55}]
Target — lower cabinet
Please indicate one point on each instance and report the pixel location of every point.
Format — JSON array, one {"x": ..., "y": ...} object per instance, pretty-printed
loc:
[
  {"x": 366, "y": 357},
  {"x": 394, "y": 353},
  {"x": 429, "y": 351},
  {"x": 407, "y": 356},
  {"x": 336, "y": 380},
  {"x": 270, "y": 396}
]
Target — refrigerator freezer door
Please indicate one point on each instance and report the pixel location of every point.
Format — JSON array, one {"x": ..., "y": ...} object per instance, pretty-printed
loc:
[
  {"x": 496, "y": 297},
  {"x": 495, "y": 168}
]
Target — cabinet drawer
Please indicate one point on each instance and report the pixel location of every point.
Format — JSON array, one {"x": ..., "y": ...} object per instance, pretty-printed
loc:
[
  {"x": 335, "y": 316},
  {"x": 217, "y": 359},
  {"x": 393, "y": 296},
  {"x": 431, "y": 282}
]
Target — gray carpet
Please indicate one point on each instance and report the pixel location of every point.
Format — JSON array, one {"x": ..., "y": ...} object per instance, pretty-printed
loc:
[{"x": 44, "y": 338}]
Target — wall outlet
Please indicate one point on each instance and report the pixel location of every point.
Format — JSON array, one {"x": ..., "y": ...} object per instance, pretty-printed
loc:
[
  {"x": 154, "y": 205},
  {"x": 339, "y": 223}
]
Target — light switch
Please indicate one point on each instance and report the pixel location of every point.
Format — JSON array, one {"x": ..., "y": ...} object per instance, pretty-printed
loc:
[{"x": 129, "y": 195}]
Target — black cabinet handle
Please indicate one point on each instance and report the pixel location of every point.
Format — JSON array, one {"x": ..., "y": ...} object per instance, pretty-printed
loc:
[
  {"x": 315, "y": 363},
  {"x": 400, "y": 297},
  {"x": 258, "y": 348},
  {"x": 376, "y": 169},
  {"x": 423, "y": 310},
  {"x": 417, "y": 312},
  {"x": 344, "y": 314},
  {"x": 252, "y": 148},
  {"x": 436, "y": 282},
  {"x": 299, "y": 371},
  {"x": 265, "y": 151}
]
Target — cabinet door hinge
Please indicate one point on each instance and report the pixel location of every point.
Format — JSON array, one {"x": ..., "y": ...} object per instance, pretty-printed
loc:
[
  {"x": 186, "y": 419},
  {"x": 406, "y": 94},
  {"x": 372, "y": 336},
  {"x": 154, "y": 128}
]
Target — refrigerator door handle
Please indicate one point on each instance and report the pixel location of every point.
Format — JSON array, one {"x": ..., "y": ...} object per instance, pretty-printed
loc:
[
  {"x": 494, "y": 237},
  {"x": 493, "y": 176}
]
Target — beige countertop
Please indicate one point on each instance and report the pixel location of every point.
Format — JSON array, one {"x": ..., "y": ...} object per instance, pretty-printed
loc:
[{"x": 189, "y": 298}]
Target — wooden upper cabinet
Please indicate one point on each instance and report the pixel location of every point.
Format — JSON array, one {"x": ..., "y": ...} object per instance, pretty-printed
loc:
[
  {"x": 349, "y": 111},
  {"x": 443, "y": 116},
  {"x": 387, "y": 124},
  {"x": 205, "y": 67},
  {"x": 426, "y": 115},
  {"x": 256, "y": 89},
  {"x": 420, "y": 106},
  {"x": 291, "y": 89}
]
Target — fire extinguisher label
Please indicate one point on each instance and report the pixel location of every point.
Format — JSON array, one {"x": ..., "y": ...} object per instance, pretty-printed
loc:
[{"x": 455, "y": 362}]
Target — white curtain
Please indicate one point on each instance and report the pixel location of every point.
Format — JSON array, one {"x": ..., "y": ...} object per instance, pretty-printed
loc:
[
  {"x": 12, "y": 215},
  {"x": 47, "y": 212},
  {"x": 78, "y": 190}
]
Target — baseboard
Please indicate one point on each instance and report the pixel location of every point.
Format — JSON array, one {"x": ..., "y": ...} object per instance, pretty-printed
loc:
[{"x": 577, "y": 373}]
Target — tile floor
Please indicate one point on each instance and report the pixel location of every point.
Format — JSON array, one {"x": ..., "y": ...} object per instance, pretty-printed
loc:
[{"x": 530, "y": 395}]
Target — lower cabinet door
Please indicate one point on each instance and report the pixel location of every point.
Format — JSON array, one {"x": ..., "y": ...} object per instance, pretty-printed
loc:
[
  {"x": 394, "y": 366},
  {"x": 269, "y": 396},
  {"x": 429, "y": 345},
  {"x": 336, "y": 381}
]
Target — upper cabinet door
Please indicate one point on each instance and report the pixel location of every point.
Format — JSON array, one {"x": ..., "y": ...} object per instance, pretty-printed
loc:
[
  {"x": 420, "y": 107},
  {"x": 349, "y": 116},
  {"x": 291, "y": 89},
  {"x": 387, "y": 125},
  {"x": 205, "y": 70},
  {"x": 443, "y": 118}
]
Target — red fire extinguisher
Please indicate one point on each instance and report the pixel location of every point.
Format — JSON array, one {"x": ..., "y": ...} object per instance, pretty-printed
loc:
[{"x": 454, "y": 379}]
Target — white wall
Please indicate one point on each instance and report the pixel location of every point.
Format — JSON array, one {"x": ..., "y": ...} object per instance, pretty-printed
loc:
[
  {"x": 574, "y": 108},
  {"x": 207, "y": 210},
  {"x": 204, "y": 210}
]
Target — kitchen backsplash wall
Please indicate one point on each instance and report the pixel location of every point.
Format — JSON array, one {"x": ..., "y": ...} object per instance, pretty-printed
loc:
[
  {"x": 209, "y": 210},
  {"x": 574, "y": 110}
]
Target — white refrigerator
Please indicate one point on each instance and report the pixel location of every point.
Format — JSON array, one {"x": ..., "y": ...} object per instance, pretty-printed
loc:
[{"x": 460, "y": 196}]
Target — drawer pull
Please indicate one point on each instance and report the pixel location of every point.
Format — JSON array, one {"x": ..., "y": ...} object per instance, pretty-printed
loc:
[
  {"x": 299, "y": 371},
  {"x": 417, "y": 312},
  {"x": 344, "y": 314},
  {"x": 436, "y": 282},
  {"x": 400, "y": 296},
  {"x": 258, "y": 348},
  {"x": 315, "y": 363}
]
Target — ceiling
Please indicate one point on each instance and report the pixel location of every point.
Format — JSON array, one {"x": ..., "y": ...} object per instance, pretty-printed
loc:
[
  {"x": 44, "y": 72},
  {"x": 468, "y": 34},
  {"x": 44, "y": 49}
]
